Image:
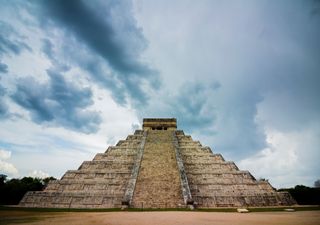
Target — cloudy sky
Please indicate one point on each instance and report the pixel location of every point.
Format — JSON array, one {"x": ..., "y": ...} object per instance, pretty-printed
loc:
[{"x": 242, "y": 77}]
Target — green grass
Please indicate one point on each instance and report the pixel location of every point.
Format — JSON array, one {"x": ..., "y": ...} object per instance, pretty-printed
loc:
[
  {"x": 251, "y": 209},
  {"x": 153, "y": 209},
  {"x": 275, "y": 209},
  {"x": 8, "y": 208},
  {"x": 261, "y": 209}
]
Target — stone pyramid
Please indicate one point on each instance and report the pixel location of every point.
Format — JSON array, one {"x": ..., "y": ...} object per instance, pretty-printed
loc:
[{"x": 157, "y": 167}]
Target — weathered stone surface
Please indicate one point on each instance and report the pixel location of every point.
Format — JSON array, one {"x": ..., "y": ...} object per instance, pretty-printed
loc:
[
  {"x": 127, "y": 199},
  {"x": 186, "y": 193},
  {"x": 100, "y": 183},
  {"x": 157, "y": 167},
  {"x": 158, "y": 184},
  {"x": 159, "y": 124},
  {"x": 216, "y": 183}
]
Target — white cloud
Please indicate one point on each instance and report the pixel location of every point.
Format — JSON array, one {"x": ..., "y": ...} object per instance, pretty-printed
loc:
[
  {"x": 5, "y": 154},
  {"x": 42, "y": 148},
  {"x": 287, "y": 161},
  {"x": 255, "y": 58},
  {"x": 267, "y": 108},
  {"x": 36, "y": 147},
  {"x": 6, "y": 167},
  {"x": 39, "y": 174}
]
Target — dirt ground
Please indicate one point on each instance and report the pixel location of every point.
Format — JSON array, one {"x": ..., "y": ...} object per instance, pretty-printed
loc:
[{"x": 161, "y": 218}]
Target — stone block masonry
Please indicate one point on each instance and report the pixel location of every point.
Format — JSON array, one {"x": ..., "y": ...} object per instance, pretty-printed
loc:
[
  {"x": 214, "y": 182},
  {"x": 157, "y": 167},
  {"x": 99, "y": 183},
  {"x": 158, "y": 184}
]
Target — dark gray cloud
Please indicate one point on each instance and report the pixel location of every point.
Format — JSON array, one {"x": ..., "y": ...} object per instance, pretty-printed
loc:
[
  {"x": 222, "y": 117},
  {"x": 265, "y": 54},
  {"x": 57, "y": 102},
  {"x": 109, "y": 32},
  {"x": 3, "y": 68},
  {"x": 47, "y": 49},
  {"x": 236, "y": 128},
  {"x": 64, "y": 57},
  {"x": 96, "y": 32},
  {"x": 315, "y": 8},
  {"x": 191, "y": 106},
  {"x": 102, "y": 39},
  {"x": 3, "y": 106},
  {"x": 226, "y": 123},
  {"x": 10, "y": 43}
]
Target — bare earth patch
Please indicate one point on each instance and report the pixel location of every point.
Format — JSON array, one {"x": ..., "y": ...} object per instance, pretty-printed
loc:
[{"x": 160, "y": 218}]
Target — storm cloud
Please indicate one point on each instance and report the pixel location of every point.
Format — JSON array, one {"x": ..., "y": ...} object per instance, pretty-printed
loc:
[
  {"x": 96, "y": 32},
  {"x": 3, "y": 105},
  {"x": 11, "y": 43},
  {"x": 241, "y": 77},
  {"x": 57, "y": 103},
  {"x": 111, "y": 44}
]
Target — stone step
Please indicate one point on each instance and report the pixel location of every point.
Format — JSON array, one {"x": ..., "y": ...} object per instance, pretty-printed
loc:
[
  {"x": 219, "y": 173},
  {"x": 189, "y": 144},
  {"x": 69, "y": 200},
  {"x": 158, "y": 181},
  {"x": 100, "y": 183},
  {"x": 101, "y": 188},
  {"x": 91, "y": 181},
  {"x": 221, "y": 181},
  {"x": 123, "y": 149},
  {"x": 95, "y": 174},
  {"x": 157, "y": 169},
  {"x": 202, "y": 160},
  {"x": 237, "y": 201},
  {"x": 138, "y": 132},
  {"x": 71, "y": 186},
  {"x": 222, "y": 166},
  {"x": 114, "y": 157},
  {"x": 134, "y": 137},
  {"x": 102, "y": 165},
  {"x": 226, "y": 189},
  {"x": 222, "y": 178},
  {"x": 127, "y": 144},
  {"x": 194, "y": 150},
  {"x": 157, "y": 205},
  {"x": 179, "y": 133}
]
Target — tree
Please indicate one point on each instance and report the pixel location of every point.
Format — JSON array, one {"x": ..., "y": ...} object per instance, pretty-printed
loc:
[
  {"x": 3, "y": 179},
  {"x": 47, "y": 180},
  {"x": 317, "y": 183},
  {"x": 12, "y": 191}
]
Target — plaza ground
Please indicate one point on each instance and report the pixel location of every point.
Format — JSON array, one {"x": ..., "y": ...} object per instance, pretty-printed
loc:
[{"x": 160, "y": 218}]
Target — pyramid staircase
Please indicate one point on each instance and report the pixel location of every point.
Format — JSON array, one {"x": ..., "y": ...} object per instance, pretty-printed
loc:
[
  {"x": 214, "y": 182},
  {"x": 158, "y": 184},
  {"x": 100, "y": 183},
  {"x": 157, "y": 167}
]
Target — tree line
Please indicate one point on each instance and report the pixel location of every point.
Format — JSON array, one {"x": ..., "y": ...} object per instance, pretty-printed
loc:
[
  {"x": 305, "y": 195},
  {"x": 13, "y": 190}
]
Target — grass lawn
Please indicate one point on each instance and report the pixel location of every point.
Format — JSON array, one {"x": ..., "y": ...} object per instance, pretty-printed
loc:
[{"x": 251, "y": 209}]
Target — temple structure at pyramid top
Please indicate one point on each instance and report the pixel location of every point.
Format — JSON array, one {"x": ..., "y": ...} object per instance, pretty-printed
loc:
[
  {"x": 159, "y": 124},
  {"x": 157, "y": 167}
]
